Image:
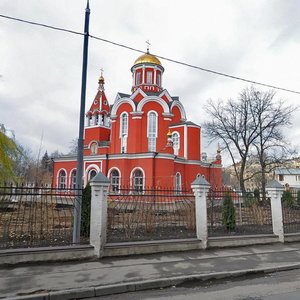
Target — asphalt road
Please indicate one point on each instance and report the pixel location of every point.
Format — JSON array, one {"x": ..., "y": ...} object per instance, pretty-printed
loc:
[{"x": 276, "y": 286}]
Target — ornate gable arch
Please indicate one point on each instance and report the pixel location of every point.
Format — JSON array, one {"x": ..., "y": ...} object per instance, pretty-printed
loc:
[
  {"x": 181, "y": 108},
  {"x": 121, "y": 101},
  {"x": 154, "y": 99}
]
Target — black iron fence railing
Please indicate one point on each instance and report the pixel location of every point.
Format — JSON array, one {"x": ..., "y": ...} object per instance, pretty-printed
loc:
[
  {"x": 150, "y": 214},
  {"x": 36, "y": 216},
  {"x": 234, "y": 213},
  {"x": 291, "y": 211}
]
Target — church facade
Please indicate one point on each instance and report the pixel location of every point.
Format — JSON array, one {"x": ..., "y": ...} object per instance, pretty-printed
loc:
[{"x": 143, "y": 140}]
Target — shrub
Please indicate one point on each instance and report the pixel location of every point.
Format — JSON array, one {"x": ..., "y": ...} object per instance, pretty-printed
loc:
[
  {"x": 256, "y": 194},
  {"x": 86, "y": 211},
  {"x": 298, "y": 198},
  {"x": 287, "y": 198},
  {"x": 228, "y": 213}
]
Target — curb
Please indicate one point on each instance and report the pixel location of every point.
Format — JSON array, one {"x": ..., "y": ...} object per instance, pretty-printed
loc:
[{"x": 81, "y": 293}]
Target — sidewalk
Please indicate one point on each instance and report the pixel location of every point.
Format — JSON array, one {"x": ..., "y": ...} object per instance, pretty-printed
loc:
[{"x": 115, "y": 275}]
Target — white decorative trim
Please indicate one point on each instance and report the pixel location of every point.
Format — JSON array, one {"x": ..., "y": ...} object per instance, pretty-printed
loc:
[
  {"x": 154, "y": 99},
  {"x": 176, "y": 132},
  {"x": 177, "y": 126},
  {"x": 120, "y": 174},
  {"x": 167, "y": 119},
  {"x": 197, "y": 162},
  {"x": 131, "y": 176},
  {"x": 121, "y": 101},
  {"x": 57, "y": 177},
  {"x": 138, "y": 91},
  {"x": 89, "y": 169},
  {"x": 137, "y": 113},
  {"x": 185, "y": 142},
  {"x": 156, "y": 125},
  {"x": 70, "y": 177},
  {"x": 165, "y": 93},
  {"x": 181, "y": 108},
  {"x": 135, "y": 118},
  {"x": 193, "y": 126}
]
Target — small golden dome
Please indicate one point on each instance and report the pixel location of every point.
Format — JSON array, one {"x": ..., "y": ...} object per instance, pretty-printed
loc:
[{"x": 147, "y": 58}]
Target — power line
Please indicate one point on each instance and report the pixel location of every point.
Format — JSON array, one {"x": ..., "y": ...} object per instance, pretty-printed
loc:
[{"x": 159, "y": 56}]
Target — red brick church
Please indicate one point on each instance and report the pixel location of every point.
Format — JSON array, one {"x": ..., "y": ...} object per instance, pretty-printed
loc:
[{"x": 142, "y": 140}]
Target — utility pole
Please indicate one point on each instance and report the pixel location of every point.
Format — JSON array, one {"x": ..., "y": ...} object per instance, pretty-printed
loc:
[{"x": 79, "y": 171}]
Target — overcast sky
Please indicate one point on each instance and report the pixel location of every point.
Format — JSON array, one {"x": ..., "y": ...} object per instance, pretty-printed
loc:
[{"x": 40, "y": 69}]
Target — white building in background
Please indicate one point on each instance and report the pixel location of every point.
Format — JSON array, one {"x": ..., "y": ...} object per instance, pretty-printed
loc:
[{"x": 288, "y": 177}]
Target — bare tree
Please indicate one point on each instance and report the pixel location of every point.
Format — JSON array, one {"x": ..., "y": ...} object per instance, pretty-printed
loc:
[
  {"x": 231, "y": 125},
  {"x": 270, "y": 117},
  {"x": 250, "y": 126}
]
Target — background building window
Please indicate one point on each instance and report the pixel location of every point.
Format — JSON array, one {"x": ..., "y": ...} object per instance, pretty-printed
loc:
[
  {"x": 138, "y": 181},
  {"x": 62, "y": 179},
  {"x": 281, "y": 177},
  {"x": 114, "y": 180},
  {"x": 152, "y": 131},
  {"x": 176, "y": 142},
  {"x": 124, "y": 132}
]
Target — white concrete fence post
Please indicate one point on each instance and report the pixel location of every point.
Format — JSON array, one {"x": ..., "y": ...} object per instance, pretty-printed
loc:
[
  {"x": 98, "y": 225},
  {"x": 275, "y": 191},
  {"x": 200, "y": 188}
]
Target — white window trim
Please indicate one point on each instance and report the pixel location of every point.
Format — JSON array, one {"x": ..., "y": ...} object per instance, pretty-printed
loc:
[
  {"x": 70, "y": 177},
  {"x": 120, "y": 175},
  {"x": 149, "y": 72},
  {"x": 87, "y": 171},
  {"x": 123, "y": 139},
  {"x": 180, "y": 184},
  {"x": 131, "y": 177},
  {"x": 148, "y": 126},
  {"x": 57, "y": 177},
  {"x": 173, "y": 133}
]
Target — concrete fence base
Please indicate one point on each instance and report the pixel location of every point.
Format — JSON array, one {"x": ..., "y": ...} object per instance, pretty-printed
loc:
[{"x": 46, "y": 254}]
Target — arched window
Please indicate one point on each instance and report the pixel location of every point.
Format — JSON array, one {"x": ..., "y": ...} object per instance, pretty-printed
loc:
[
  {"x": 90, "y": 120},
  {"x": 92, "y": 174},
  {"x": 138, "y": 78},
  {"x": 138, "y": 180},
  {"x": 114, "y": 180},
  {"x": 176, "y": 142},
  {"x": 124, "y": 132},
  {"x": 149, "y": 77},
  {"x": 152, "y": 131},
  {"x": 94, "y": 148},
  {"x": 97, "y": 119},
  {"x": 73, "y": 179},
  {"x": 178, "y": 182},
  {"x": 158, "y": 79},
  {"x": 62, "y": 179}
]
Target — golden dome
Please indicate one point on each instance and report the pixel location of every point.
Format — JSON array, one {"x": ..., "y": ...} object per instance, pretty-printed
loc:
[{"x": 147, "y": 58}]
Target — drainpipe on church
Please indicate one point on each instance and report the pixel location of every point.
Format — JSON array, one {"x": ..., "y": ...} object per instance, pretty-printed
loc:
[{"x": 154, "y": 171}]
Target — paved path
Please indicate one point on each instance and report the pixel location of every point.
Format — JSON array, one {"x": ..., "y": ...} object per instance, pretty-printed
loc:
[{"x": 111, "y": 275}]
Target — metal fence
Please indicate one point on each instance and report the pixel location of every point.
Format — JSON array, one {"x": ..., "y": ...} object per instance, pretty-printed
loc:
[
  {"x": 35, "y": 216},
  {"x": 151, "y": 214},
  {"x": 291, "y": 211},
  {"x": 249, "y": 214}
]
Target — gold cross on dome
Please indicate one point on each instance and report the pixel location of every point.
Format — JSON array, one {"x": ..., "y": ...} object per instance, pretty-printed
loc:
[
  {"x": 101, "y": 71},
  {"x": 148, "y": 45}
]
